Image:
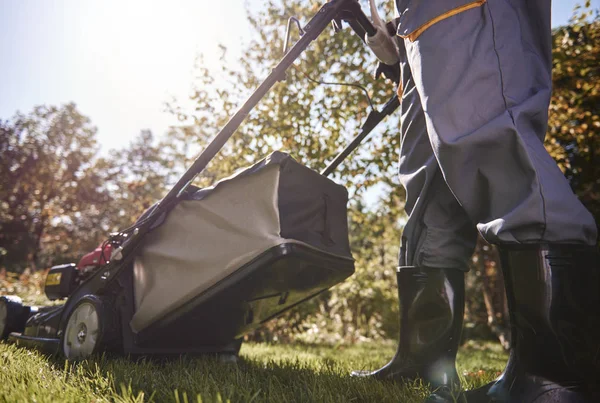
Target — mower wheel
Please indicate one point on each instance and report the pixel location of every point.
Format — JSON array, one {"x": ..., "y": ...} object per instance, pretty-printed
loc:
[
  {"x": 84, "y": 332},
  {"x": 11, "y": 315}
]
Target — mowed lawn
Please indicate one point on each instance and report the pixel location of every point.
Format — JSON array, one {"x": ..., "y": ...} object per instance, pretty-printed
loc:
[{"x": 265, "y": 373}]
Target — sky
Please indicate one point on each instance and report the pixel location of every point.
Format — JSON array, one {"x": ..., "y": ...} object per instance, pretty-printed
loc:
[{"x": 120, "y": 61}]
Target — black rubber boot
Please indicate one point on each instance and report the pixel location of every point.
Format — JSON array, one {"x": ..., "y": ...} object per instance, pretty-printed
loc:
[
  {"x": 553, "y": 294},
  {"x": 431, "y": 316}
]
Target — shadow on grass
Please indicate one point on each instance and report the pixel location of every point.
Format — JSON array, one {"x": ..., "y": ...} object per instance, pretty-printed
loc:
[
  {"x": 266, "y": 373},
  {"x": 298, "y": 373},
  {"x": 248, "y": 381}
]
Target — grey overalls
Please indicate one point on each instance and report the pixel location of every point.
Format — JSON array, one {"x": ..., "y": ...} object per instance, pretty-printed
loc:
[{"x": 476, "y": 81}]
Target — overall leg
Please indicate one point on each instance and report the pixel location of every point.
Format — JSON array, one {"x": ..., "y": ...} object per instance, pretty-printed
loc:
[
  {"x": 437, "y": 242},
  {"x": 483, "y": 73},
  {"x": 438, "y": 233}
]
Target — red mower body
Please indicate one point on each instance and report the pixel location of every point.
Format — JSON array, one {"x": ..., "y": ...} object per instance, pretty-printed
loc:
[{"x": 98, "y": 257}]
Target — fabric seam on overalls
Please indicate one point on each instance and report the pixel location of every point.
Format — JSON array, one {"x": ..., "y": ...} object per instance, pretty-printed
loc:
[{"x": 417, "y": 32}]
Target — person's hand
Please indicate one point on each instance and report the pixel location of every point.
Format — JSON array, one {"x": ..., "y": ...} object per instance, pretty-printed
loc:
[{"x": 388, "y": 72}]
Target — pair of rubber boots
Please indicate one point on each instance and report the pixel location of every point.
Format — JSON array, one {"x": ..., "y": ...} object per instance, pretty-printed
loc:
[{"x": 553, "y": 295}]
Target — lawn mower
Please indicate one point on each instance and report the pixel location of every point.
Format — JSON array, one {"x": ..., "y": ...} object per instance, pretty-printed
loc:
[{"x": 203, "y": 267}]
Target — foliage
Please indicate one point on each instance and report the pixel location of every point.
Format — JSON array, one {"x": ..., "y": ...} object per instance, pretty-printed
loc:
[
  {"x": 136, "y": 177},
  {"x": 311, "y": 121},
  {"x": 26, "y": 285},
  {"x": 267, "y": 373},
  {"x": 47, "y": 181},
  {"x": 574, "y": 124},
  {"x": 58, "y": 200}
]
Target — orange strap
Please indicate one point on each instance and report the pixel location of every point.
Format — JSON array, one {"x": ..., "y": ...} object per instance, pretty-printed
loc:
[{"x": 417, "y": 32}]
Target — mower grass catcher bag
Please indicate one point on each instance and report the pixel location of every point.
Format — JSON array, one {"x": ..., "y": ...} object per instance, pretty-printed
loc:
[{"x": 229, "y": 257}]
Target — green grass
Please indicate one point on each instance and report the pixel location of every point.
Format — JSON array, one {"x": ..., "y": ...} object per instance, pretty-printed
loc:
[{"x": 266, "y": 373}]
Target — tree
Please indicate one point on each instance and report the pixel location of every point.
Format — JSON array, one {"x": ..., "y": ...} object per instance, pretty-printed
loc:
[
  {"x": 309, "y": 120},
  {"x": 136, "y": 177},
  {"x": 46, "y": 180},
  {"x": 574, "y": 124}
]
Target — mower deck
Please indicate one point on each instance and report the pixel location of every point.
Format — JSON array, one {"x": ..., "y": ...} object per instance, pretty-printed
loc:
[{"x": 215, "y": 320}]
